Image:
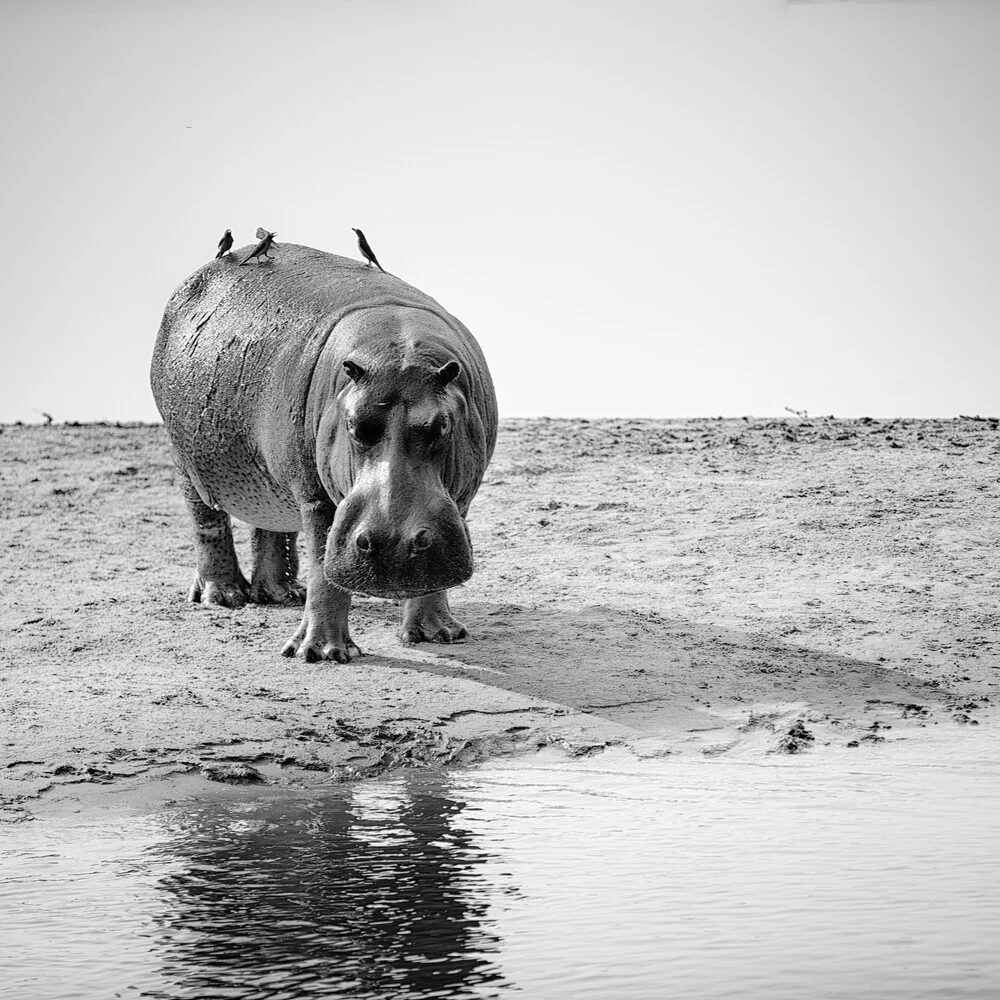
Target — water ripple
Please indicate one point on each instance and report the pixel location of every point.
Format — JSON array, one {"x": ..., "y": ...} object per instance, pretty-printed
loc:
[{"x": 824, "y": 877}]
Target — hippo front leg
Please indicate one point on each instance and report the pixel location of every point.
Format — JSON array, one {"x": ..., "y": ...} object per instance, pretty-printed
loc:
[
  {"x": 429, "y": 619},
  {"x": 323, "y": 634}
]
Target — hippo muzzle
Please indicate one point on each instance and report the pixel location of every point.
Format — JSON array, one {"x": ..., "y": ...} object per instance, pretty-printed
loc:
[{"x": 397, "y": 534}]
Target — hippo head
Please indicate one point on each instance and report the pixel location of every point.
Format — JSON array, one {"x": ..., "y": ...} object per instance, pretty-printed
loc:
[{"x": 395, "y": 460}]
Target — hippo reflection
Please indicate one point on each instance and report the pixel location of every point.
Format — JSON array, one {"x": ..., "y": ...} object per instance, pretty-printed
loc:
[{"x": 376, "y": 896}]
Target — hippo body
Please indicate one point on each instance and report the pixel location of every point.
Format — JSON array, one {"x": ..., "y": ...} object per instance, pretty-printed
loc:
[{"x": 311, "y": 393}]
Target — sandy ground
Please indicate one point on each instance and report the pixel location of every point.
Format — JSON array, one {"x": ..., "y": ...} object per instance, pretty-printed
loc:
[{"x": 710, "y": 586}]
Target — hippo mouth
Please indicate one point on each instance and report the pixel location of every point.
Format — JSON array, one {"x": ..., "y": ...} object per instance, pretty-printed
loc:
[
  {"x": 397, "y": 595},
  {"x": 388, "y": 594},
  {"x": 360, "y": 580}
]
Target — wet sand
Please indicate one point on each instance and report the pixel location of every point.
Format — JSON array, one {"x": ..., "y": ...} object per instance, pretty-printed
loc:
[{"x": 722, "y": 587}]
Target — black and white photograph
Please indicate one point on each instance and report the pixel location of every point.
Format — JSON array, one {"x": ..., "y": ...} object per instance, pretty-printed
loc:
[{"x": 500, "y": 500}]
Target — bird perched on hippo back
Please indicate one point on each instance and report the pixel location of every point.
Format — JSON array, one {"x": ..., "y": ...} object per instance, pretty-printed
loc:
[
  {"x": 225, "y": 244},
  {"x": 262, "y": 248},
  {"x": 366, "y": 250},
  {"x": 335, "y": 400}
]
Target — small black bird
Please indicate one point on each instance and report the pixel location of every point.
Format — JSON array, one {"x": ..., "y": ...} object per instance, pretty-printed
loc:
[
  {"x": 366, "y": 251},
  {"x": 260, "y": 250},
  {"x": 225, "y": 243}
]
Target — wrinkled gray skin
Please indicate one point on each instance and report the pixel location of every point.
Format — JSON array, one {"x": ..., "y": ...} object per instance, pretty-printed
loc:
[{"x": 311, "y": 393}]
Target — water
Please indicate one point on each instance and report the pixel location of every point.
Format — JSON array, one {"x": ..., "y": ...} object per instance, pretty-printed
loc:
[{"x": 868, "y": 873}]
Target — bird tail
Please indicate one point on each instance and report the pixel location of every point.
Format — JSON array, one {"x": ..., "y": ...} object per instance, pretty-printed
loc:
[{"x": 218, "y": 255}]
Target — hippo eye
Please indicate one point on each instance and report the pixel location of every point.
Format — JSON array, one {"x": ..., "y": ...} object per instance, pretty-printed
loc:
[
  {"x": 437, "y": 429},
  {"x": 365, "y": 430}
]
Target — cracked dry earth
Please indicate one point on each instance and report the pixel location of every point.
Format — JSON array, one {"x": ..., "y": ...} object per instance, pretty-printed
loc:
[{"x": 711, "y": 586}]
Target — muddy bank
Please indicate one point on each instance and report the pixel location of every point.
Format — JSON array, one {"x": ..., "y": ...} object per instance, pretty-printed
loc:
[{"x": 709, "y": 586}]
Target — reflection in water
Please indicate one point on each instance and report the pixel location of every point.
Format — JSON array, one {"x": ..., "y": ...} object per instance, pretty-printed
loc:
[
  {"x": 869, "y": 875},
  {"x": 363, "y": 896}
]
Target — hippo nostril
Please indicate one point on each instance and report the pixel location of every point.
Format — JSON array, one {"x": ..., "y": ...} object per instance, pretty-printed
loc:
[
  {"x": 363, "y": 542},
  {"x": 421, "y": 540}
]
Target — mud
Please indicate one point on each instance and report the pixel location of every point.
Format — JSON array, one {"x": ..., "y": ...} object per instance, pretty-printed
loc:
[{"x": 722, "y": 587}]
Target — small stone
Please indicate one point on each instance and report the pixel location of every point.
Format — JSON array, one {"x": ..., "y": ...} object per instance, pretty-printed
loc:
[{"x": 232, "y": 774}]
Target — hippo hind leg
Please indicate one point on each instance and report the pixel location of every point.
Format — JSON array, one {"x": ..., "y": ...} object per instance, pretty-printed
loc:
[
  {"x": 217, "y": 577},
  {"x": 275, "y": 568},
  {"x": 429, "y": 619}
]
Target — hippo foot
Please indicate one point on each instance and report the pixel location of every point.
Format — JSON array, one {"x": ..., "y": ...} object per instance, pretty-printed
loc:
[
  {"x": 429, "y": 620},
  {"x": 228, "y": 593},
  {"x": 320, "y": 642},
  {"x": 287, "y": 593}
]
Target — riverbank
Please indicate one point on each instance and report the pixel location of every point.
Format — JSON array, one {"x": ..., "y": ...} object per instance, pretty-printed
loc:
[{"x": 683, "y": 586}]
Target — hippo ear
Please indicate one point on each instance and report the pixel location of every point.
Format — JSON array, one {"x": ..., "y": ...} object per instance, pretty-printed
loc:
[
  {"x": 448, "y": 373},
  {"x": 355, "y": 372}
]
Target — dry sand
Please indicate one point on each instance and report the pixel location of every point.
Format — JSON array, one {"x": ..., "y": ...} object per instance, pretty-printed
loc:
[{"x": 710, "y": 586}]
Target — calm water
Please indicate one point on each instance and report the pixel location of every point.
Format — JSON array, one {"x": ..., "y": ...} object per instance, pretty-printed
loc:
[{"x": 869, "y": 873}]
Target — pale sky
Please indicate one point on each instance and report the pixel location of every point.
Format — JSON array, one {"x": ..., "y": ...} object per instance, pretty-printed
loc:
[{"x": 664, "y": 208}]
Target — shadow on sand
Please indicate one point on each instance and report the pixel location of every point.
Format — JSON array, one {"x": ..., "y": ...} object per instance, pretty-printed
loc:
[{"x": 650, "y": 672}]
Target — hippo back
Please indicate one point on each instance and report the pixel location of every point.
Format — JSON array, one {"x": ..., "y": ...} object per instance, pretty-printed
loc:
[{"x": 236, "y": 355}]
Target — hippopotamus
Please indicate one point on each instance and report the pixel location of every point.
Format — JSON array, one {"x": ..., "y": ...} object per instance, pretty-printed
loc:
[{"x": 312, "y": 393}]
